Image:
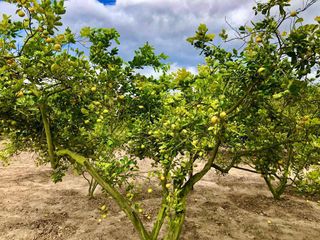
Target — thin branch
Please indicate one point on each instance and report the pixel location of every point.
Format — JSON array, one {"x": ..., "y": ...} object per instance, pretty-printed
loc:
[
  {"x": 187, "y": 187},
  {"x": 239, "y": 102},
  {"x": 246, "y": 169},
  {"x": 114, "y": 193}
]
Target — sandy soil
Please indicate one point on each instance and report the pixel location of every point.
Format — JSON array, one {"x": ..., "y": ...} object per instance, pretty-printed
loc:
[{"x": 237, "y": 206}]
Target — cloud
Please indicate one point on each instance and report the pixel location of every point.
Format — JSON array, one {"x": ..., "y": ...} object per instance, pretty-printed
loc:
[
  {"x": 7, "y": 8},
  {"x": 173, "y": 68},
  {"x": 165, "y": 24}
]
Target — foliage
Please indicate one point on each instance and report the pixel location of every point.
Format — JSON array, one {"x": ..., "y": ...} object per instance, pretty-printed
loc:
[
  {"x": 310, "y": 182},
  {"x": 280, "y": 130}
]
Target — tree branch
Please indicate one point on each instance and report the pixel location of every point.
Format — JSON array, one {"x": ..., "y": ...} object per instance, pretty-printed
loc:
[{"x": 121, "y": 201}]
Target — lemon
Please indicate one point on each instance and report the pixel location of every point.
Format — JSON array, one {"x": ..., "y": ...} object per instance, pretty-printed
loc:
[
  {"x": 258, "y": 39},
  {"x": 223, "y": 114},
  {"x": 293, "y": 14},
  {"x": 214, "y": 119},
  {"x": 57, "y": 47},
  {"x": 21, "y": 13},
  {"x": 260, "y": 70}
]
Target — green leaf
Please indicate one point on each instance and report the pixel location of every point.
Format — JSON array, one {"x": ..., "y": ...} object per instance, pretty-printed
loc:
[
  {"x": 85, "y": 32},
  {"x": 210, "y": 36},
  {"x": 202, "y": 28},
  {"x": 242, "y": 28},
  {"x": 299, "y": 20}
]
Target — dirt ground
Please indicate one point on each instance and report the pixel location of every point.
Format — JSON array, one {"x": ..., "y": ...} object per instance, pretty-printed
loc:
[{"x": 237, "y": 206}]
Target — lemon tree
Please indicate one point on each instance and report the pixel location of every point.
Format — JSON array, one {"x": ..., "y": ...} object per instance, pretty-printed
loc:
[
  {"x": 72, "y": 109},
  {"x": 256, "y": 106},
  {"x": 277, "y": 137}
]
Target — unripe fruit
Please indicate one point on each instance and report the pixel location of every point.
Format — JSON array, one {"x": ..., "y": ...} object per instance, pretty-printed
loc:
[
  {"x": 277, "y": 96},
  {"x": 60, "y": 37},
  {"x": 150, "y": 190},
  {"x": 162, "y": 178},
  {"x": 223, "y": 115},
  {"x": 260, "y": 70},
  {"x": 26, "y": 23},
  {"x": 49, "y": 40},
  {"x": 194, "y": 142},
  {"x": 214, "y": 119},
  {"x": 45, "y": 33},
  {"x": 121, "y": 97},
  {"x": 93, "y": 89},
  {"x": 57, "y": 47},
  {"x": 84, "y": 111},
  {"x": 54, "y": 67},
  {"x": 31, "y": 9},
  {"x": 168, "y": 185},
  {"x": 21, "y": 13},
  {"x": 258, "y": 39},
  {"x": 20, "y": 94},
  {"x": 293, "y": 14},
  {"x": 184, "y": 131}
]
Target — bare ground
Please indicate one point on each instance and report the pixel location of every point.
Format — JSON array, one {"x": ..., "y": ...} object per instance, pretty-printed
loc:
[{"x": 237, "y": 206}]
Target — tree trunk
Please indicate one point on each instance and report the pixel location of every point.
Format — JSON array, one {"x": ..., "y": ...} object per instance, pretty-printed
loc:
[
  {"x": 176, "y": 223},
  {"x": 175, "y": 227},
  {"x": 278, "y": 190},
  {"x": 92, "y": 187},
  {"x": 50, "y": 145}
]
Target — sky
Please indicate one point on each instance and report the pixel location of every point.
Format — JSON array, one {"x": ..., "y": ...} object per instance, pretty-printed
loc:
[
  {"x": 108, "y": 2},
  {"x": 165, "y": 24}
]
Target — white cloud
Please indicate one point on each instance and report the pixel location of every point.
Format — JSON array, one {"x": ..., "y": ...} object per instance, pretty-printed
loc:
[
  {"x": 165, "y": 24},
  {"x": 9, "y": 9},
  {"x": 149, "y": 71}
]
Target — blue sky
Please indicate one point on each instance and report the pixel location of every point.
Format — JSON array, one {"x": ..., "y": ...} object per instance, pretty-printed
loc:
[
  {"x": 165, "y": 24},
  {"x": 108, "y": 2}
]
